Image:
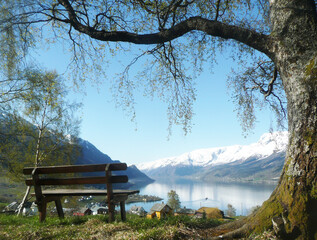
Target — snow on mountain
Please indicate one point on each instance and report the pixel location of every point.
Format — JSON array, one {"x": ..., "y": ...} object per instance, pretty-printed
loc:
[{"x": 268, "y": 144}]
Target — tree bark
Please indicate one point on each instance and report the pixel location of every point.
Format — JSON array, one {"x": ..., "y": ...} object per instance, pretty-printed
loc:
[
  {"x": 21, "y": 206},
  {"x": 294, "y": 30},
  {"x": 295, "y": 198}
]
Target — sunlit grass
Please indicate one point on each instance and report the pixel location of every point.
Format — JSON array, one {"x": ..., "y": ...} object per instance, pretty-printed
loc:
[
  {"x": 97, "y": 227},
  {"x": 141, "y": 223}
]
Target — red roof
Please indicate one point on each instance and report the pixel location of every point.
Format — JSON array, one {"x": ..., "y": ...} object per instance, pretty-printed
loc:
[{"x": 78, "y": 214}]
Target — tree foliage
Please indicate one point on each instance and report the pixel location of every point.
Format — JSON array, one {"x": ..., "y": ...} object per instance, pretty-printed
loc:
[
  {"x": 179, "y": 45},
  {"x": 41, "y": 127},
  {"x": 259, "y": 77},
  {"x": 231, "y": 211},
  {"x": 173, "y": 200},
  {"x": 14, "y": 44}
]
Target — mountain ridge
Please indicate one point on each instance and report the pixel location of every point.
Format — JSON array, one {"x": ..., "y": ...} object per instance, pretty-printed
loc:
[
  {"x": 262, "y": 160},
  {"x": 92, "y": 155},
  {"x": 85, "y": 153}
]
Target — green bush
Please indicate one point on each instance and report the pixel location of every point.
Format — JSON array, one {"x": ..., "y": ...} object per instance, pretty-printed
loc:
[
  {"x": 158, "y": 233},
  {"x": 136, "y": 222},
  {"x": 2, "y": 205}
]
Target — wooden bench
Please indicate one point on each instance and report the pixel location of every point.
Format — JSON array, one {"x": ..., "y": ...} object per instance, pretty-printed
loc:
[{"x": 42, "y": 176}]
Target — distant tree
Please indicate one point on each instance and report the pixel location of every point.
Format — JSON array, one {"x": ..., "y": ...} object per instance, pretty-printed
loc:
[
  {"x": 204, "y": 215},
  {"x": 231, "y": 211},
  {"x": 42, "y": 128},
  {"x": 38, "y": 126},
  {"x": 47, "y": 108},
  {"x": 173, "y": 200}
]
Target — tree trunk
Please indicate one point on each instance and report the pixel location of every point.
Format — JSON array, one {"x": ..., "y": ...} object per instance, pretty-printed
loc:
[
  {"x": 37, "y": 163},
  {"x": 21, "y": 206},
  {"x": 295, "y": 198},
  {"x": 294, "y": 201},
  {"x": 292, "y": 207}
]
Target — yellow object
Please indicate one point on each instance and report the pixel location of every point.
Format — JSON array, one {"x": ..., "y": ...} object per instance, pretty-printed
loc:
[{"x": 160, "y": 210}]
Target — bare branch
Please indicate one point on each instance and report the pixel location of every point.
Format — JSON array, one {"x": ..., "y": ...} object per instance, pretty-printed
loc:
[
  {"x": 217, "y": 10},
  {"x": 251, "y": 38},
  {"x": 269, "y": 90},
  {"x": 270, "y": 86}
]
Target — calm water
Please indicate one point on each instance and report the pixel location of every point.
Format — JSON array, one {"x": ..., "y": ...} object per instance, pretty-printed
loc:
[{"x": 242, "y": 196}]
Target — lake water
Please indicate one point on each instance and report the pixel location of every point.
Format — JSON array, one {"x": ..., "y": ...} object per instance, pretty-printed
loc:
[{"x": 242, "y": 196}]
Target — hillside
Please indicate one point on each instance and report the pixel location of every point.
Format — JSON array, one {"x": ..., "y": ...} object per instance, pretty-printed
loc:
[
  {"x": 261, "y": 161},
  {"x": 88, "y": 153},
  {"x": 91, "y": 155}
]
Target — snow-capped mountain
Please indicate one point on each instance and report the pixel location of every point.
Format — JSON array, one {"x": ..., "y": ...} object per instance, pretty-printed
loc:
[{"x": 265, "y": 155}]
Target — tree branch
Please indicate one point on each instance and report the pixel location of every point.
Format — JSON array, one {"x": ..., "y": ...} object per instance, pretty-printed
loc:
[
  {"x": 259, "y": 41},
  {"x": 270, "y": 86}
]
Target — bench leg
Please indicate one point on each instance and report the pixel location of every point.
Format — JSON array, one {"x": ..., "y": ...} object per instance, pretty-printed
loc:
[
  {"x": 122, "y": 209},
  {"x": 42, "y": 210},
  {"x": 59, "y": 208},
  {"x": 111, "y": 212}
]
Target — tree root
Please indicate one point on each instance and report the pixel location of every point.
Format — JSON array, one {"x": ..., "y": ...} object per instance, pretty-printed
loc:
[
  {"x": 236, "y": 229},
  {"x": 239, "y": 233}
]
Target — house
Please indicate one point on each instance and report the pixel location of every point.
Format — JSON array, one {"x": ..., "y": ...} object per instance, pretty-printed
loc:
[
  {"x": 209, "y": 212},
  {"x": 83, "y": 212},
  {"x": 137, "y": 211},
  {"x": 94, "y": 208},
  {"x": 78, "y": 214},
  {"x": 102, "y": 210},
  {"x": 87, "y": 211},
  {"x": 99, "y": 209},
  {"x": 160, "y": 210},
  {"x": 185, "y": 211}
]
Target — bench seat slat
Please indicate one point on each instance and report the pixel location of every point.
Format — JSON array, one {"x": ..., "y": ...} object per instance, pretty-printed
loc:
[
  {"x": 78, "y": 180},
  {"x": 85, "y": 192},
  {"x": 75, "y": 168}
]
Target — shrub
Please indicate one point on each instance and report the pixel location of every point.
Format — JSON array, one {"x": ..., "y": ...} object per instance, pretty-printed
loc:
[{"x": 231, "y": 211}]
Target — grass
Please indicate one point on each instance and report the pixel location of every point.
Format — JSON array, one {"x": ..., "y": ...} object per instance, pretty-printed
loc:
[
  {"x": 97, "y": 227},
  {"x": 2, "y": 205},
  {"x": 92, "y": 227},
  {"x": 10, "y": 190}
]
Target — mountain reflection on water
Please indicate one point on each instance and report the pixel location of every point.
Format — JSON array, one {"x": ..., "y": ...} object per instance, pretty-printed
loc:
[{"x": 193, "y": 194}]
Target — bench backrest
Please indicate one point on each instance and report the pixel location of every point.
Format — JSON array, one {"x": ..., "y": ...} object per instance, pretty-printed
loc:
[{"x": 106, "y": 179}]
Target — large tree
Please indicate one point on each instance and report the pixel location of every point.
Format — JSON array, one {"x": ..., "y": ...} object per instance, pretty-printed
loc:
[{"x": 282, "y": 33}]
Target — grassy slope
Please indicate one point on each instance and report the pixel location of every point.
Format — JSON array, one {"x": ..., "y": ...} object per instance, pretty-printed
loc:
[{"x": 96, "y": 227}]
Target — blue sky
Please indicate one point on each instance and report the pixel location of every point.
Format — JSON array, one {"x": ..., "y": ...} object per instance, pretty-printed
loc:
[{"x": 110, "y": 129}]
